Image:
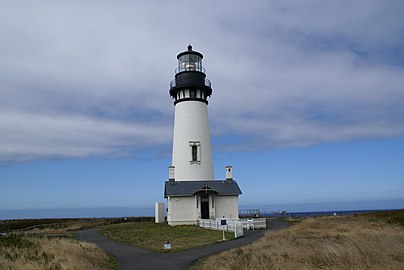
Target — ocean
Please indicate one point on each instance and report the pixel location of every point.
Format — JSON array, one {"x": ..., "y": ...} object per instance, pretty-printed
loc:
[{"x": 295, "y": 210}]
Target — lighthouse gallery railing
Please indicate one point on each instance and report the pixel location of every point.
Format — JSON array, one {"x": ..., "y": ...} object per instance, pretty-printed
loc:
[{"x": 173, "y": 83}]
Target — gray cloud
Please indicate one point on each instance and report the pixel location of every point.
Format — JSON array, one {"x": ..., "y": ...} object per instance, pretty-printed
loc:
[
  {"x": 284, "y": 74},
  {"x": 27, "y": 136}
]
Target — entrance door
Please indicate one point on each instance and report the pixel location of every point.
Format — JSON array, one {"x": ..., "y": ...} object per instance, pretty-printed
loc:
[{"x": 205, "y": 207}]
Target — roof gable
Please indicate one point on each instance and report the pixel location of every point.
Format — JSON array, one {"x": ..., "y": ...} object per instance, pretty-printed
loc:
[{"x": 206, "y": 188}]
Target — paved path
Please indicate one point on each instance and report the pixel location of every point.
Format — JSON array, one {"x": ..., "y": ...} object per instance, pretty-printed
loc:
[{"x": 130, "y": 257}]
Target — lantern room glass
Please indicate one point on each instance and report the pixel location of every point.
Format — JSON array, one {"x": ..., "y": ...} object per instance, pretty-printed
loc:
[{"x": 190, "y": 62}]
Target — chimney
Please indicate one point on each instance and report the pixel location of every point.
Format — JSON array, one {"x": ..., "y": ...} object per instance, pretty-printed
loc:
[
  {"x": 229, "y": 173},
  {"x": 171, "y": 173}
]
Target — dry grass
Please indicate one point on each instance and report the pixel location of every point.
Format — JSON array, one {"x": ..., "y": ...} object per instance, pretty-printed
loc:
[
  {"x": 320, "y": 243},
  {"x": 42, "y": 253}
]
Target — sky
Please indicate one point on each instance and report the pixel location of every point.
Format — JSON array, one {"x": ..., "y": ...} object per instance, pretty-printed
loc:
[{"x": 307, "y": 103}]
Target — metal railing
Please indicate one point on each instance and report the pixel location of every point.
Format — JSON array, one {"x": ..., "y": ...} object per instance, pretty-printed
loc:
[{"x": 173, "y": 83}]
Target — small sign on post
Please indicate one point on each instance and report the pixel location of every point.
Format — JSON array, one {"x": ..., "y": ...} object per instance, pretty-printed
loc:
[
  {"x": 223, "y": 223},
  {"x": 167, "y": 245}
]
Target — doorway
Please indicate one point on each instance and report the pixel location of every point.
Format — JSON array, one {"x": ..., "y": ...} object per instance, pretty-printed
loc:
[{"x": 205, "y": 207}]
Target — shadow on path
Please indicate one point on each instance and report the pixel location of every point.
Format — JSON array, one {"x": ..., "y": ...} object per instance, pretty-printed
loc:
[{"x": 130, "y": 257}]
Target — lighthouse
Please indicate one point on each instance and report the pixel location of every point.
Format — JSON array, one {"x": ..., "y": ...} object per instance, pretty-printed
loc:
[
  {"x": 191, "y": 191},
  {"x": 192, "y": 151}
]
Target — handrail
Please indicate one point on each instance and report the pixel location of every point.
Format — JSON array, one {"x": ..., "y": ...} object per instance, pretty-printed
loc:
[{"x": 173, "y": 83}]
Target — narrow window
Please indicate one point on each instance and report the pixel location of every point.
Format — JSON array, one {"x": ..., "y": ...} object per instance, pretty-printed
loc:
[
  {"x": 192, "y": 94},
  {"x": 194, "y": 153}
]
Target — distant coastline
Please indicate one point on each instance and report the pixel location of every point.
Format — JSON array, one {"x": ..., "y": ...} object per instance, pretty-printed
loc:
[
  {"x": 321, "y": 213},
  {"x": 100, "y": 212},
  {"x": 303, "y": 209}
]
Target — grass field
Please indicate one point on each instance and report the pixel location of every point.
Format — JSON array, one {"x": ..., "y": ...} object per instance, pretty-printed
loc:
[
  {"x": 31, "y": 253},
  {"x": 366, "y": 241},
  {"x": 370, "y": 241},
  {"x": 152, "y": 236},
  {"x": 64, "y": 223}
]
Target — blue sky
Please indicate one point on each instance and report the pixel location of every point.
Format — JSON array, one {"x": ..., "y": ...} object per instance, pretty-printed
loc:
[{"x": 307, "y": 101}]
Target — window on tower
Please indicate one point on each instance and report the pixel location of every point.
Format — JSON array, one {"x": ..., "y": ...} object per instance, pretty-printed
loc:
[
  {"x": 192, "y": 94},
  {"x": 195, "y": 155}
]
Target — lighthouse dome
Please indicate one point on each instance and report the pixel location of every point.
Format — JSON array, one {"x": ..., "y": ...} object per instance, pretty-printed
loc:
[{"x": 190, "y": 76}]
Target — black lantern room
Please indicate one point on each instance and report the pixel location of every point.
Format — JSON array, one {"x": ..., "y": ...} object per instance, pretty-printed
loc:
[{"x": 190, "y": 81}]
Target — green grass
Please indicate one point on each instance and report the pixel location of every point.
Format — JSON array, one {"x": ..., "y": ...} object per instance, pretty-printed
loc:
[
  {"x": 391, "y": 217},
  {"x": 152, "y": 236},
  {"x": 198, "y": 264},
  {"x": 113, "y": 263},
  {"x": 15, "y": 241},
  {"x": 60, "y": 223}
]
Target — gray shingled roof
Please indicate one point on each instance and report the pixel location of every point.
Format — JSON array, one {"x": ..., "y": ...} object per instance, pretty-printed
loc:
[{"x": 188, "y": 188}]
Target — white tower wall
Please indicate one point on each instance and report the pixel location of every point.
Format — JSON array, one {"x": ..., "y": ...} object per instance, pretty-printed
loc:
[{"x": 191, "y": 128}]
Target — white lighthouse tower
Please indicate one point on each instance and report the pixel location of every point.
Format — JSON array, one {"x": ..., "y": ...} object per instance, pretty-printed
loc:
[
  {"x": 192, "y": 154},
  {"x": 191, "y": 191}
]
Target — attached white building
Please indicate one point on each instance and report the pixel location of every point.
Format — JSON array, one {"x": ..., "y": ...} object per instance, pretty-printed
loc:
[
  {"x": 191, "y": 192},
  {"x": 189, "y": 201}
]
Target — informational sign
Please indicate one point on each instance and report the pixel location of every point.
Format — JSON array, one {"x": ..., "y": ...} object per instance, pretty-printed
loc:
[
  {"x": 223, "y": 223},
  {"x": 167, "y": 245}
]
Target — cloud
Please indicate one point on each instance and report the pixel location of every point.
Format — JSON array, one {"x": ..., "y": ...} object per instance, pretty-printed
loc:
[
  {"x": 283, "y": 73},
  {"x": 34, "y": 136},
  {"x": 312, "y": 76}
]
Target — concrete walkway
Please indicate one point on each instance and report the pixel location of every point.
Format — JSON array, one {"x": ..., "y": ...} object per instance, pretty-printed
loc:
[{"x": 130, "y": 257}]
